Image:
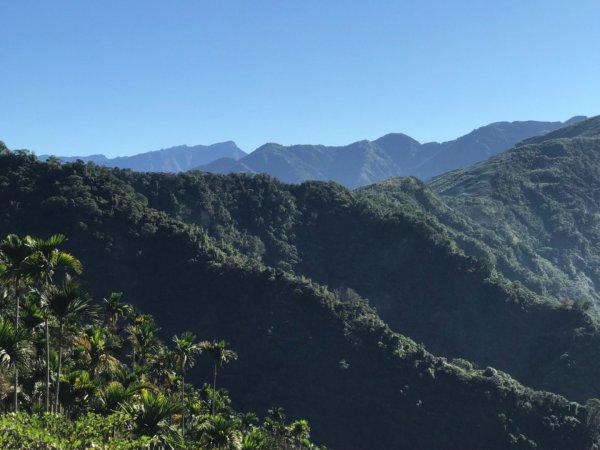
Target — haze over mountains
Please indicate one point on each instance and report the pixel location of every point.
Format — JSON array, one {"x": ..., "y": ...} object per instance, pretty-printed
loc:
[
  {"x": 173, "y": 159},
  {"x": 353, "y": 165},
  {"x": 393, "y": 155}
]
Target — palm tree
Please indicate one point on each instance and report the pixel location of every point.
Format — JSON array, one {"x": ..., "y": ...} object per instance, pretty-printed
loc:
[
  {"x": 186, "y": 349},
  {"x": 14, "y": 253},
  {"x": 46, "y": 312},
  {"x": 78, "y": 387},
  {"x": 115, "y": 309},
  {"x": 32, "y": 315},
  {"x": 48, "y": 258},
  {"x": 142, "y": 335},
  {"x": 70, "y": 305},
  {"x": 219, "y": 433},
  {"x": 221, "y": 355},
  {"x": 150, "y": 413},
  {"x": 132, "y": 331},
  {"x": 31, "y": 322},
  {"x": 96, "y": 346},
  {"x": 15, "y": 351},
  {"x": 111, "y": 396},
  {"x": 45, "y": 258}
]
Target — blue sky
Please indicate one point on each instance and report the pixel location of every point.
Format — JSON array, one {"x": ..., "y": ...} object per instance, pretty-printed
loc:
[{"x": 122, "y": 77}]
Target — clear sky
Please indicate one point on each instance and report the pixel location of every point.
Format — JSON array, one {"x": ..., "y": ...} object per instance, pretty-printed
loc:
[{"x": 123, "y": 77}]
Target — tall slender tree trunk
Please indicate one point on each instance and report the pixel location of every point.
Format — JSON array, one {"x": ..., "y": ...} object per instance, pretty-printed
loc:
[
  {"x": 16, "y": 389},
  {"x": 17, "y": 307},
  {"x": 60, "y": 350},
  {"x": 214, "y": 390},
  {"x": 47, "y": 366},
  {"x": 182, "y": 403}
]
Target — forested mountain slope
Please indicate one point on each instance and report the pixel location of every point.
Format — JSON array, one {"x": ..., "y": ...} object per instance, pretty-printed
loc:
[
  {"x": 408, "y": 266},
  {"x": 334, "y": 362},
  {"x": 538, "y": 207}
]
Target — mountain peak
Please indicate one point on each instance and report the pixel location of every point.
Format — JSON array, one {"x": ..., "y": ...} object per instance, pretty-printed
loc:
[
  {"x": 396, "y": 139},
  {"x": 575, "y": 119},
  {"x": 268, "y": 146}
]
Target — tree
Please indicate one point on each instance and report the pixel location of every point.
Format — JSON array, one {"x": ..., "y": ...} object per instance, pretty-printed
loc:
[
  {"x": 78, "y": 387},
  {"x": 32, "y": 315},
  {"x": 114, "y": 394},
  {"x": 220, "y": 433},
  {"x": 150, "y": 413},
  {"x": 14, "y": 252},
  {"x": 142, "y": 335},
  {"x": 70, "y": 304},
  {"x": 593, "y": 415},
  {"x": 186, "y": 349},
  {"x": 220, "y": 354},
  {"x": 95, "y": 344},
  {"x": 114, "y": 309},
  {"x": 101, "y": 401},
  {"x": 15, "y": 351},
  {"x": 45, "y": 259}
]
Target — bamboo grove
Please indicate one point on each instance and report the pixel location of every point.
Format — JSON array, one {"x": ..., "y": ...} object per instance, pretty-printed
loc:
[{"x": 75, "y": 373}]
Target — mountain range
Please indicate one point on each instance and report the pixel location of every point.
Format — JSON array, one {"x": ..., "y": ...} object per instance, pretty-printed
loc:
[
  {"x": 173, "y": 159},
  {"x": 457, "y": 313},
  {"x": 392, "y": 155},
  {"x": 353, "y": 165}
]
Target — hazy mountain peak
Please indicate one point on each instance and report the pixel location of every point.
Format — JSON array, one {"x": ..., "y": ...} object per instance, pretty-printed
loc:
[
  {"x": 396, "y": 139},
  {"x": 575, "y": 119},
  {"x": 267, "y": 146}
]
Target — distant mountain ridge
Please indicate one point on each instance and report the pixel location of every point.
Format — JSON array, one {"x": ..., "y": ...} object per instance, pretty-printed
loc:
[
  {"x": 173, "y": 159},
  {"x": 366, "y": 162},
  {"x": 354, "y": 165}
]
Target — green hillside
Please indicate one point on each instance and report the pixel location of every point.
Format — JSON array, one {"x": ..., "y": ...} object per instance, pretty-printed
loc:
[
  {"x": 183, "y": 249},
  {"x": 413, "y": 269},
  {"x": 538, "y": 207},
  {"x": 84, "y": 374}
]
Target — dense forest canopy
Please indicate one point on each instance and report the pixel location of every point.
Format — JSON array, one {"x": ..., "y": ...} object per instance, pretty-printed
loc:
[
  {"x": 282, "y": 272},
  {"x": 531, "y": 212},
  {"x": 82, "y": 374}
]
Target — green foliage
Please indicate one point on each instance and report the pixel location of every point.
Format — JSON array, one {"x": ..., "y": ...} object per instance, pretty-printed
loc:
[
  {"x": 175, "y": 243},
  {"x": 14, "y": 346},
  {"x": 150, "y": 413},
  {"x": 534, "y": 208},
  {"x": 54, "y": 432},
  {"x": 141, "y": 409}
]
